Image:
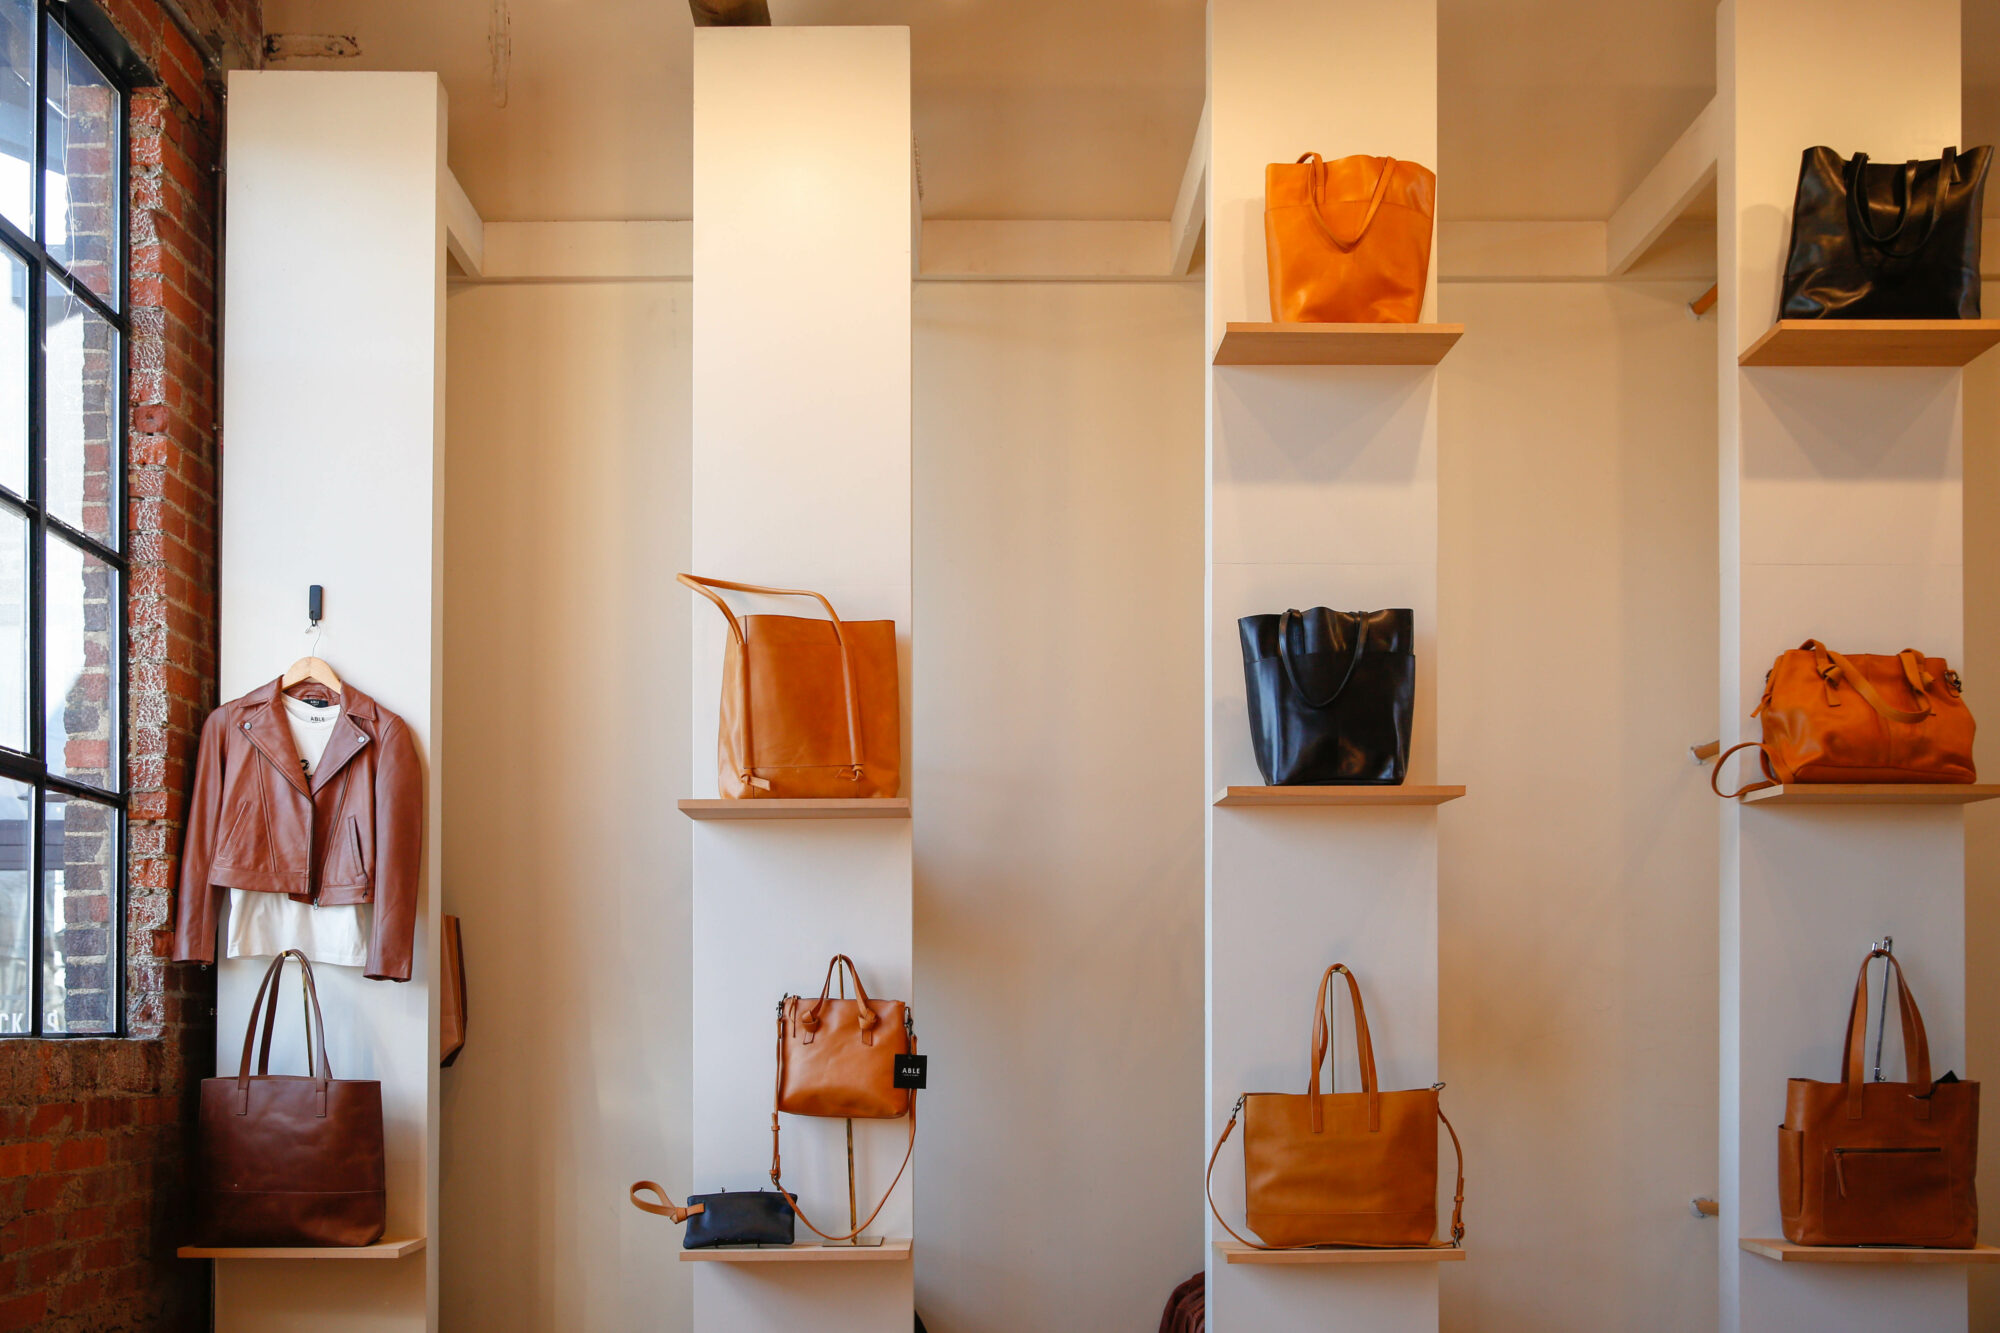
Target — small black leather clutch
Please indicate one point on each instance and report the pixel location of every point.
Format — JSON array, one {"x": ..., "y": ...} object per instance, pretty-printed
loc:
[{"x": 746, "y": 1217}]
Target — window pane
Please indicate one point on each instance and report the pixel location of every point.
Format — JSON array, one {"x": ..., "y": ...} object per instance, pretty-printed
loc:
[
  {"x": 13, "y": 630},
  {"x": 80, "y": 171},
  {"x": 17, "y": 805},
  {"x": 80, "y": 936},
  {"x": 17, "y": 112},
  {"x": 82, "y": 413},
  {"x": 14, "y": 373},
  {"x": 82, "y": 643}
]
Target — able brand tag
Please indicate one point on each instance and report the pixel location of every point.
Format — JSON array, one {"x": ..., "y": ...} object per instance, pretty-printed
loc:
[{"x": 912, "y": 1071}]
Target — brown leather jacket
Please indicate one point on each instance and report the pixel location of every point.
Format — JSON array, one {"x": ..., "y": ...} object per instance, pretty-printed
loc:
[{"x": 352, "y": 833}]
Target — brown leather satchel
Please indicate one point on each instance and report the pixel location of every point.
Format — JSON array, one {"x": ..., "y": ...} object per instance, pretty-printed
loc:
[
  {"x": 1864, "y": 1163},
  {"x": 1348, "y": 241},
  {"x": 1861, "y": 719},
  {"x": 837, "y": 1058},
  {"x": 289, "y": 1159},
  {"x": 1354, "y": 1168},
  {"x": 810, "y": 708}
]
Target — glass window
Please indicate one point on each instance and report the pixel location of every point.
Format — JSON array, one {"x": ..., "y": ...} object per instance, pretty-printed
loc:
[{"x": 62, "y": 568}]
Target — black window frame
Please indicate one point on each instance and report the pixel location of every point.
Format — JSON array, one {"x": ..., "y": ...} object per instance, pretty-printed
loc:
[{"x": 121, "y": 68}]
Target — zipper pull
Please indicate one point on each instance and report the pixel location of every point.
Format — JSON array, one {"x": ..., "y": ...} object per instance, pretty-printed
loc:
[{"x": 1839, "y": 1170}]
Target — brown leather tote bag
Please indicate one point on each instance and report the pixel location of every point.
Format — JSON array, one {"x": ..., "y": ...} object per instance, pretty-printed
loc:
[
  {"x": 289, "y": 1159},
  {"x": 1829, "y": 717},
  {"x": 837, "y": 1058},
  {"x": 1348, "y": 241},
  {"x": 810, "y": 707},
  {"x": 1354, "y": 1168},
  {"x": 1864, "y": 1163}
]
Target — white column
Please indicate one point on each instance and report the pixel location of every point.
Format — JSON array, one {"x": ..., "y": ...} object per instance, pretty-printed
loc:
[
  {"x": 801, "y": 478},
  {"x": 333, "y": 474},
  {"x": 1323, "y": 491},
  {"x": 1841, "y": 521}
]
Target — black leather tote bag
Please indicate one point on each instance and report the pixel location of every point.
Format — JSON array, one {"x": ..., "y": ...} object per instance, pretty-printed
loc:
[
  {"x": 1330, "y": 695},
  {"x": 740, "y": 1217},
  {"x": 1886, "y": 242}
]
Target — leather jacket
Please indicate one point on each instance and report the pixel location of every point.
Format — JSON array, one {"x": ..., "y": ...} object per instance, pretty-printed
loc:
[{"x": 351, "y": 833}]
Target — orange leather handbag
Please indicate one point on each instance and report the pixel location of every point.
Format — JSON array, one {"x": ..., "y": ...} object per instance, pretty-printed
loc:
[
  {"x": 1829, "y": 717},
  {"x": 1863, "y": 1163},
  {"x": 810, "y": 707},
  {"x": 1351, "y": 1168},
  {"x": 1348, "y": 241},
  {"x": 837, "y": 1058}
]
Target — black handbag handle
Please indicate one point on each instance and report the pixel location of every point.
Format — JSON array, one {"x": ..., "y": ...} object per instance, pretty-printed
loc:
[
  {"x": 1291, "y": 674},
  {"x": 1857, "y": 215}
]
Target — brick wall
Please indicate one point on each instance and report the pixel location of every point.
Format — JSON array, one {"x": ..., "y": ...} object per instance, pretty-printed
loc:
[{"x": 95, "y": 1135}]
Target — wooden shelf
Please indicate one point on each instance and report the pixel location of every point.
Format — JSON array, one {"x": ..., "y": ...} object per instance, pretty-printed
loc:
[
  {"x": 831, "y": 807},
  {"x": 1787, "y": 1253},
  {"x": 888, "y": 1252},
  {"x": 381, "y": 1249},
  {"x": 1233, "y": 1253},
  {"x": 1872, "y": 342},
  {"x": 1336, "y": 344},
  {"x": 1874, "y": 793},
  {"x": 1404, "y": 795}
]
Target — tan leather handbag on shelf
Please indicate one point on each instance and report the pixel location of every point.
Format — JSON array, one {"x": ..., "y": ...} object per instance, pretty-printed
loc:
[
  {"x": 810, "y": 707},
  {"x": 1863, "y": 1163},
  {"x": 1351, "y": 1168},
  {"x": 1348, "y": 241},
  {"x": 288, "y": 1159},
  {"x": 1861, "y": 719},
  {"x": 837, "y": 1058}
]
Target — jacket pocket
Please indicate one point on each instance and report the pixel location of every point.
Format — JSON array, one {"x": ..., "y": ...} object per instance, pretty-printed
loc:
[{"x": 1889, "y": 1195}]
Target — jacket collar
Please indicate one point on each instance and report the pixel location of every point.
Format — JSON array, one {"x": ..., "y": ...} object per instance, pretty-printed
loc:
[{"x": 271, "y": 732}]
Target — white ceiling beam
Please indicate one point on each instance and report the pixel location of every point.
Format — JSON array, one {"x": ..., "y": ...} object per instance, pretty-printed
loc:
[
  {"x": 1675, "y": 181},
  {"x": 1046, "y": 251},
  {"x": 464, "y": 233},
  {"x": 589, "y": 251},
  {"x": 1191, "y": 205}
]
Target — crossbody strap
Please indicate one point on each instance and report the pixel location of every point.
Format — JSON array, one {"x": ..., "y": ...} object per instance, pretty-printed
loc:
[
  {"x": 777, "y": 1164},
  {"x": 1457, "y": 1197}
]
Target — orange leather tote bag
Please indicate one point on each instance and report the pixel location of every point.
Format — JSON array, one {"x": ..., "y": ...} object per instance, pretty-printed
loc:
[
  {"x": 1829, "y": 717},
  {"x": 837, "y": 1059},
  {"x": 1863, "y": 1163},
  {"x": 810, "y": 707},
  {"x": 1348, "y": 241},
  {"x": 1348, "y": 1168}
]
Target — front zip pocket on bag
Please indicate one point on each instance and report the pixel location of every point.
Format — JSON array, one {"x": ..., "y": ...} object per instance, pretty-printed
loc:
[
  {"x": 1889, "y": 1196},
  {"x": 1840, "y": 1156}
]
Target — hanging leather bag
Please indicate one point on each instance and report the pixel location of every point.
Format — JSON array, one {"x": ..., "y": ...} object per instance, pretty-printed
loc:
[
  {"x": 1863, "y": 1163},
  {"x": 1331, "y": 695},
  {"x": 738, "y": 1217},
  {"x": 290, "y": 1160},
  {"x": 1829, "y": 717},
  {"x": 810, "y": 707},
  {"x": 1348, "y": 241},
  {"x": 1886, "y": 242},
  {"x": 837, "y": 1058},
  {"x": 1353, "y": 1168}
]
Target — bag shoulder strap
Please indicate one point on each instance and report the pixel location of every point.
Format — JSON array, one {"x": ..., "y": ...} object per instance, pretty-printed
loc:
[
  {"x": 1316, "y": 193},
  {"x": 1916, "y": 1042},
  {"x": 1457, "y": 1197},
  {"x": 666, "y": 1207}
]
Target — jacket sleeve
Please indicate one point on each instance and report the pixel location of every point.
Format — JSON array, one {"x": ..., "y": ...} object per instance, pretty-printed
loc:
[
  {"x": 195, "y": 909},
  {"x": 399, "y": 853}
]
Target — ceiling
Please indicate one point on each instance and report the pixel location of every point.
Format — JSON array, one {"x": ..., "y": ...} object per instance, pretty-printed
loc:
[{"x": 1549, "y": 109}]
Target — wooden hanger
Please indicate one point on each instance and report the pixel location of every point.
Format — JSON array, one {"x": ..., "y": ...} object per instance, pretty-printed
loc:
[{"x": 311, "y": 668}]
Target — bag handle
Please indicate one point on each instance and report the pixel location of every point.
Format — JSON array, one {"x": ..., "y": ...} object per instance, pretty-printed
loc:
[
  {"x": 810, "y": 1019},
  {"x": 777, "y": 1160},
  {"x": 1858, "y": 215},
  {"x": 1316, "y": 196},
  {"x": 317, "y": 1069},
  {"x": 1771, "y": 776},
  {"x": 1364, "y": 1050},
  {"x": 1916, "y": 1043},
  {"x": 1457, "y": 1198},
  {"x": 1285, "y": 623},
  {"x": 666, "y": 1207},
  {"x": 705, "y": 587},
  {"x": 1834, "y": 667}
]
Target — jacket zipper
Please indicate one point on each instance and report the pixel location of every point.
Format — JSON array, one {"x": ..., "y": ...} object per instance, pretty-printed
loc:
[{"x": 1840, "y": 1154}]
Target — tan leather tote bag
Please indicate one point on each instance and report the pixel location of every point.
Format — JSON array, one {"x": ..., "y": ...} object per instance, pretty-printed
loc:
[
  {"x": 837, "y": 1059},
  {"x": 810, "y": 707},
  {"x": 1348, "y": 241},
  {"x": 1863, "y": 1163},
  {"x": 1353, "y": 1168},
  {"x": 287, "y": 1159}
]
